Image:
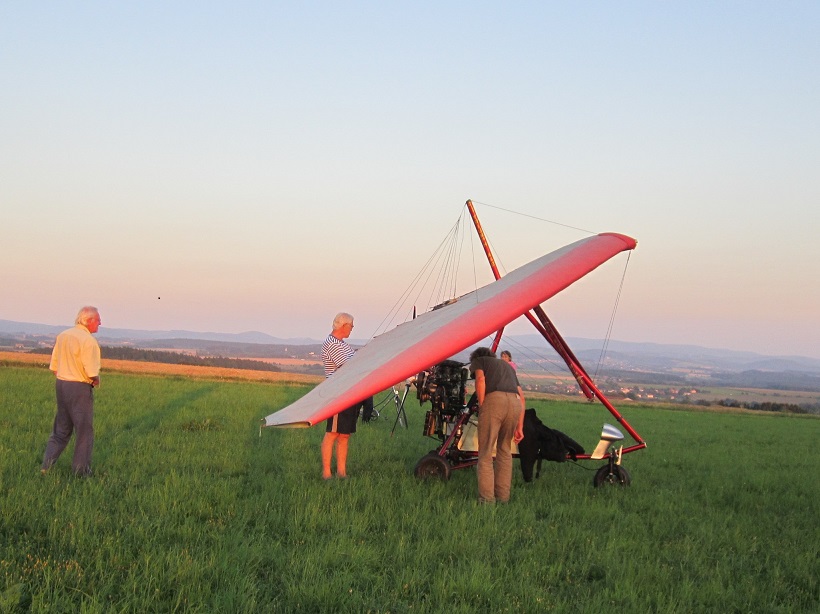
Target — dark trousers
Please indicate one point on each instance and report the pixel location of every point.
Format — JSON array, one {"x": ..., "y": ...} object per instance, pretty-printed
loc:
[
  {"x": 75, "y": 413},
  {"x": 367, "y": 409}
]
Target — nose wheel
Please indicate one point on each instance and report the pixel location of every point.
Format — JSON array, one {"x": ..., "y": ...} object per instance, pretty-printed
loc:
[{"x": 612, "y": 474}]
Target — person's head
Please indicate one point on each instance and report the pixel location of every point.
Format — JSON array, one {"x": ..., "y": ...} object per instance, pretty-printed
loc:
[
  {"x": 342, "y": 325},
  {"x": 479, "y": 352},
  {"x": 505, "y": 355},
  {"x": 89, "y": 317}
]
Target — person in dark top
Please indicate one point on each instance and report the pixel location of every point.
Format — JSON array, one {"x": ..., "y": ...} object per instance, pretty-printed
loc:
[{"x": 500, "y": 421}]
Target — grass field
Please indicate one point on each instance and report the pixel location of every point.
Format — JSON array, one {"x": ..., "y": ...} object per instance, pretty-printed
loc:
[{"x": 191, "y": 510}]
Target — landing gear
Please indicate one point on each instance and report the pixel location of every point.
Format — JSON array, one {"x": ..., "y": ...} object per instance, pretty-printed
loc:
[
  {"x": 432, "y": 466},
  {"x": 612, "y": 474}
]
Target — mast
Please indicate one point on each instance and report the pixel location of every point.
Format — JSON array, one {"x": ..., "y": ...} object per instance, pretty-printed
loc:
[{"x": 483, "y": 238}]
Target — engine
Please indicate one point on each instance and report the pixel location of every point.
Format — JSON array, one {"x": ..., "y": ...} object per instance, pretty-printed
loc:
[{"x": 444, "y": 385}]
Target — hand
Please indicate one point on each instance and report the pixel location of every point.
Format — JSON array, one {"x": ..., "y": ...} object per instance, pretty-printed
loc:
[{"x": 519, "y": 435}]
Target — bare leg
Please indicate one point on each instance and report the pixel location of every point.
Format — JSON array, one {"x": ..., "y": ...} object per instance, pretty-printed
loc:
[
  {"x": 327, "y": 453},
  {"x": 341, "y": 456}
]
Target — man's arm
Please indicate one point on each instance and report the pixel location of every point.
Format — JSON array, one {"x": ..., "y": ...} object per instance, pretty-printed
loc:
[
  {"x": 480, "y": 386},
  {"x": 519, "y": 430}
]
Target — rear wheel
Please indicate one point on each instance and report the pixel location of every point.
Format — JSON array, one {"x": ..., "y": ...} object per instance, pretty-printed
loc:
[
  {"x": 617, "y": 476},
  {"x": 432, "y": 466}
]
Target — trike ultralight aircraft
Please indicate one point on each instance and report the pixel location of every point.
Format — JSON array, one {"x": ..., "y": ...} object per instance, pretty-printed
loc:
[{"x": 417, "y": 347}]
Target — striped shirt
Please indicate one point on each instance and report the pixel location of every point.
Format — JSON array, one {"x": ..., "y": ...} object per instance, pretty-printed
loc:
[{"x": 335, "y": 352}]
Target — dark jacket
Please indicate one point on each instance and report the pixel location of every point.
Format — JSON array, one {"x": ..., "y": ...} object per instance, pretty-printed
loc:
[{"x": 543, "y": 443}]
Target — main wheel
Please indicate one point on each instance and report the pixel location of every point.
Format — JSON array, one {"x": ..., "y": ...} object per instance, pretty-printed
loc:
[
  {"x": 432, "y": 466},
  {"x": 618, "y": 476}
]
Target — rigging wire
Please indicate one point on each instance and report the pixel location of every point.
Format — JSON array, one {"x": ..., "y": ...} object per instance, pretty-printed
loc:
[
  {"x": 420, "y": 282},
  {"x": 458, "y": 250},
  {"x": 473, "y": 240},
  {"x": 447, "y": 271},
  {"x": 548, "y": 363},
  {"x": 540, "y": 219},
  {"x": 608, "y": 336}
]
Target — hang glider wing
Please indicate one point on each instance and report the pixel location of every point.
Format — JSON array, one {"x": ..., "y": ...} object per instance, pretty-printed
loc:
[{"x": 438, "y": 334}]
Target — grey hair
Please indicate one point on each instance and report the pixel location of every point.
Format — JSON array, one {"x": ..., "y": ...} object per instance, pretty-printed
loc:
[
  {"x": 86, "y": 313},
  {"x": 341, "y": 319}
]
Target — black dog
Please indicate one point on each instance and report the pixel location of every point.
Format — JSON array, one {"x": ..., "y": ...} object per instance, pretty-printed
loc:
[{"x": 543, "y": 443}]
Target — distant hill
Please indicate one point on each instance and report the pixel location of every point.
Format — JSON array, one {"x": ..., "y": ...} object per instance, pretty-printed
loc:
[
  {"x": 620, "y": 355},
  {"x": 653, "y": 356},
  {"x": 9, "y": 327}
]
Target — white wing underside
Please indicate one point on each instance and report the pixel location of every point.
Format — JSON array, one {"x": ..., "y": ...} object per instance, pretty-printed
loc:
[{"x": 439, "y": 334}]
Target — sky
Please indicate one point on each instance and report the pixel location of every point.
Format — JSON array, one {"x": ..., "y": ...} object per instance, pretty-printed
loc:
[{"x": 238, "y": 166}]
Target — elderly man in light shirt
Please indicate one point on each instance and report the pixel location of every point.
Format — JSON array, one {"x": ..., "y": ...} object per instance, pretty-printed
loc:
[{"x": 75, "y": 361}]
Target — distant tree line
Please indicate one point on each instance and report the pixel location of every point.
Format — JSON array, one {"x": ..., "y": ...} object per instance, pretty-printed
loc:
[
  {"x": 790, "y": 408},
  {"x": 177, "y": 358},
  {"x": 232, "y": 348},
  {"x": 784, "y": 380}
]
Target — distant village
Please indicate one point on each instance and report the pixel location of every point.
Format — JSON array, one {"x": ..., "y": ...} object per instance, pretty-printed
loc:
[
  {"x": 680, "y": 395},
  {"x": 669, "y": 394}
]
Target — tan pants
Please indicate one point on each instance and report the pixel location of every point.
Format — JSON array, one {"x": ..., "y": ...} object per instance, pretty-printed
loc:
[{"x": 497, "y": 420}]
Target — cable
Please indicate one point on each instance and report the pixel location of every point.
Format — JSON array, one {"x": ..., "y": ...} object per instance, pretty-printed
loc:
[
  {"x": 541, "y": 219},
  {"x": 611, "y": 324}
]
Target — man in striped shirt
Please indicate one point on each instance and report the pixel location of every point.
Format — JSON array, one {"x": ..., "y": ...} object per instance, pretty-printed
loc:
[{"x": 336, "y": 352}]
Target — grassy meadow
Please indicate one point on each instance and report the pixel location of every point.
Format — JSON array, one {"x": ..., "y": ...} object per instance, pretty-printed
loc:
[{"x": 191, "y": 510}]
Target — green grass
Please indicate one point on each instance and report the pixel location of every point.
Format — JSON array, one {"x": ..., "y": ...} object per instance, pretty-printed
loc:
[{"x": 190, "y": 510}]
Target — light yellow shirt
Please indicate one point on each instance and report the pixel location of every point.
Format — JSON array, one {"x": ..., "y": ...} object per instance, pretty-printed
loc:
[{"x": 76, "y": 355}]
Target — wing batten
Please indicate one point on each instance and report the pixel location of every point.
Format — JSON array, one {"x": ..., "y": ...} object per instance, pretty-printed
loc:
[{"x": 438, "y": 334}]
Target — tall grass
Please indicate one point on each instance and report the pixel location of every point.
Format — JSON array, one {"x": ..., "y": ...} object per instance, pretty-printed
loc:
[{"x": 190, "y": 510}]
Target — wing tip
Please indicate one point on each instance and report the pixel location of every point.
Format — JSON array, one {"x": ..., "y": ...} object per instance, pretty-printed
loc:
[{"x": 629, "y": 242}]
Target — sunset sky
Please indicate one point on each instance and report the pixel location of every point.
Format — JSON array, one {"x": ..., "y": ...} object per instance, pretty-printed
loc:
[{"x": 237, "y": 166}]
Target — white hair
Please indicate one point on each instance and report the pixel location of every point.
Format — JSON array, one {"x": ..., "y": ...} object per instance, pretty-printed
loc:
[
  {"x": 341, "y": 319},
  {"x": 86, "y": 313}
]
